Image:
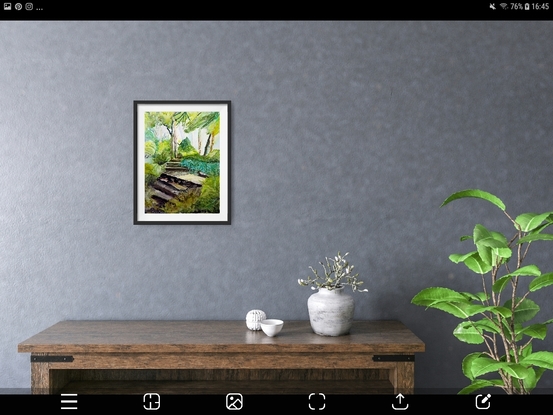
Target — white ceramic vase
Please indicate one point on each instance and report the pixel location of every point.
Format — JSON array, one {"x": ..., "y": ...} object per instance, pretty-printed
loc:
[{"x": 331, "y": 312}]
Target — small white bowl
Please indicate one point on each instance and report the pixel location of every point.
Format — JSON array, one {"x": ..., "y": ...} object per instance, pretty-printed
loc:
[{"x": 271, "y": 327}]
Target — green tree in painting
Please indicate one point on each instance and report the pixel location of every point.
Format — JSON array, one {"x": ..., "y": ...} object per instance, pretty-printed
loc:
[
  {"x": 169, "y": 120},
  {"x": 209, "y": 121},
  {"x": 190, "y": 121}
]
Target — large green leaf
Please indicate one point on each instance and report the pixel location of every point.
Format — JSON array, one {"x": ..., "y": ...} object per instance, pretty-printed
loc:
[
  {"x": 490, "y": 250},
  {"x": 483, "y": 365},
  {"x": 548, "y": 222},
  {"x": 530, "y": 221},
  {"x": 480, "y": 309},
  {"x": 480, "y": 384},
  {"x": 467, "y": 364},
  {"x": 516, "y": 370},
  {"x": 467, "y": 333},
  {"x": 501, "y": 283},
  {"x": 480, "y": 234},
  {"x": 498, "y": 248},
  {"x": 490, "y": 245},
  {"x": 466, "y": 310},
  {"x": 540, "y": 359},
  {"x": 525, "y": 311},
  {"x": 431, "y": 296},
  {"x": 533, "y": 377},
  {"x": 536, "y": 331},
  {"x": 477, "y": 265},
  {"x": 457, "y": 309},
  {"x": 471, "y": 296},
  {"x": 500, "y": 237},
  {"x": 542, "y": 281},
  {"x": 479, "y": 296},
  {"x": 476, "y": 193},
  {"x": 456, "y": 258},
  {"x": 526, "y": 271},
  {"x": 486, "y": 325},
  {"x": 536, "y": 237},
  {"x": 473, "y": 261}
]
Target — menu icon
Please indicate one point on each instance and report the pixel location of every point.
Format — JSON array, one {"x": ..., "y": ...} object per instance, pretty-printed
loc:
[{"x": 68, "y": 401}]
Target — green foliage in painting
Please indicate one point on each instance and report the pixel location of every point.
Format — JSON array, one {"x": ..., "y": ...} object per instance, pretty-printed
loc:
[
  {"x": 150, "y": 149},
  {"x": 153, "y": 119},
  {"x": 151, "y": 172},
  {"x": 207, "y": 120},
  {"x": 215, "y": 155},
  {"x": 186, "y": 149},
  {"x": 151, "y": 135},
  {"x": 183, "y": 203},
  {"x": 163, "y": 153},
  {"x": 200, "y": 164},
  {"x": 201, "y": 200},
  {"x": 208, "y": 202}
]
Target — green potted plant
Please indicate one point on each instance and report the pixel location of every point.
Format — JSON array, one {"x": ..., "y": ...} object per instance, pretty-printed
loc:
[
  {"x": 500, "y": 315},
  {"x": 330, "y": 309}
]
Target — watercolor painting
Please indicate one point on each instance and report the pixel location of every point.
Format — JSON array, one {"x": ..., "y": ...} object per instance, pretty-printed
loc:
[{"x": 181, "y": 155}]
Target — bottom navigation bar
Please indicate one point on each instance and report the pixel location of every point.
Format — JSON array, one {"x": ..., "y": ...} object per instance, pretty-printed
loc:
[{"x": 242, "y": 403}]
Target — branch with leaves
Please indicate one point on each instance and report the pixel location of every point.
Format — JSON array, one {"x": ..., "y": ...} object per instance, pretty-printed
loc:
[
  {"x": 503, "y": 327},
  {"x": 337, "y": 274}
]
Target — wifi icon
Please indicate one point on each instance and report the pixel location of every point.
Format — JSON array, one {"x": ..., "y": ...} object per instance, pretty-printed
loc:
[{"x": 503, "y": 5}]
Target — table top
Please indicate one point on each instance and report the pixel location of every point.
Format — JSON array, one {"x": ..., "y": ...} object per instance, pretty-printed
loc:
[{"x": 209, "y": 336}]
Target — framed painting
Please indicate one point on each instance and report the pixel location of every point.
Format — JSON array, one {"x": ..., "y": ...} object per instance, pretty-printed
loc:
[{"x": 181, "y": 162}]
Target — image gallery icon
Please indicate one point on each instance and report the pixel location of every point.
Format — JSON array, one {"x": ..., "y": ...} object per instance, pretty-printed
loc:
[{"x": 234, "y": 401}]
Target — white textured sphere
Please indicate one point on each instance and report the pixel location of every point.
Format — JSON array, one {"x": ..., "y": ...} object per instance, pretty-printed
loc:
[{"x": 253, "y": 319}]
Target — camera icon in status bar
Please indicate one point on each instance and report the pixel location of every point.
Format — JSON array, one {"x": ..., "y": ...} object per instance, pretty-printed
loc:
[{"x": 18, "y": 6}]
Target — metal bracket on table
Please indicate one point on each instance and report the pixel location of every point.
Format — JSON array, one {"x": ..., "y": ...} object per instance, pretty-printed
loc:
[
  {"x": 394, "y": 358},
  {"x": 51, "y": 359}
]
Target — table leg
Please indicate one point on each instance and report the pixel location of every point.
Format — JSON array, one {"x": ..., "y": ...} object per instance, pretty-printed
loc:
[
  {"x": 403, "y": 377},
  {"x": 40, "y": 378}
]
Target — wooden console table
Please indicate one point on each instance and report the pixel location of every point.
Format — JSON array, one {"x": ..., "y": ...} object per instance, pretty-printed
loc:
[{"x": 212, "y": 357}]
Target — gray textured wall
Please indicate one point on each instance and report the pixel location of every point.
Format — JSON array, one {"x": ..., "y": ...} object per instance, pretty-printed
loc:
[{"x": 345, "y": 136}]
